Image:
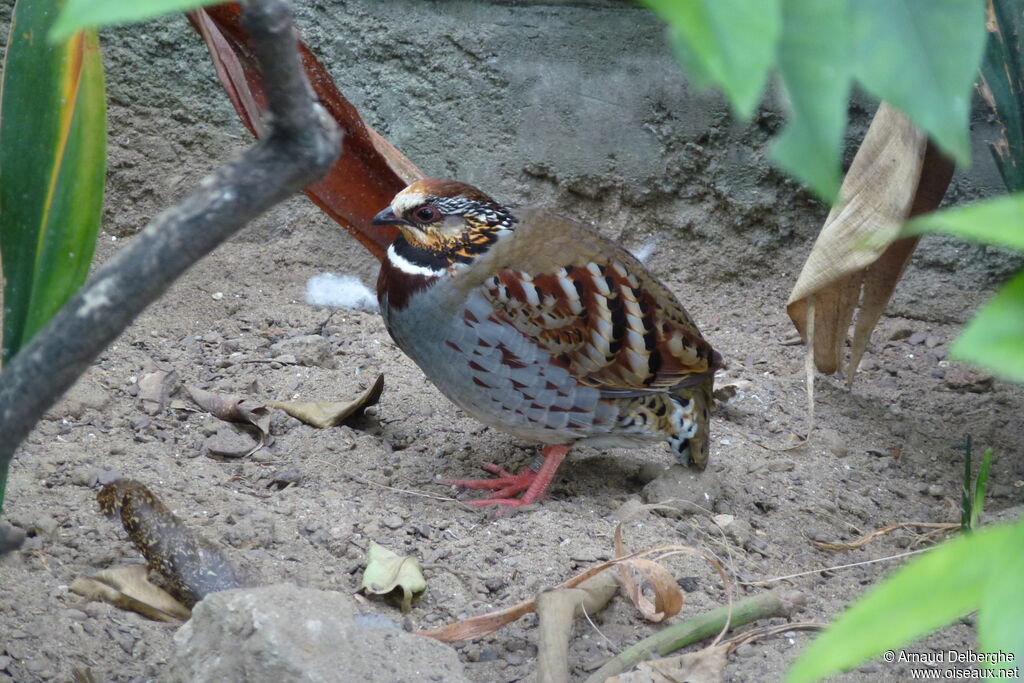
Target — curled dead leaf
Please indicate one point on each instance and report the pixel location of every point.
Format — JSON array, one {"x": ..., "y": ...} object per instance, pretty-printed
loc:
[
  {"x": 129, "y": 588},
  {"x": 638, "y": 575},
  {"x": 155, "y": 385},
  {"x": 387, "y": 572},
  {"x": 232, "y": 408},
  {"x": 326, "y": 414}
]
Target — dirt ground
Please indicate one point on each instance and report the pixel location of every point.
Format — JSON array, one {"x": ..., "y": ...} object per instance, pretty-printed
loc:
[{"x": 304, "y": 508}]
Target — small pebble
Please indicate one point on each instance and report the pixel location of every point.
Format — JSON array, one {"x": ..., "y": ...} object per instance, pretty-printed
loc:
[
  {"x": 394, "y": 522},
  {"x": 917, "y": 338}
]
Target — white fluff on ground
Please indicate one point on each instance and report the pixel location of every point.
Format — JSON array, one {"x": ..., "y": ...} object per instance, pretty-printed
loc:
[{"x": 340, "y": 291}]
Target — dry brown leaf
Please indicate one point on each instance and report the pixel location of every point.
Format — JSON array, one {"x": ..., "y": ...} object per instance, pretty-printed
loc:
[
  {"x": 155, "y": 385},
  {"x": 232, "y": 408},
  {"x": 702, "y": 666},
  {"x": 326, "y": 414},
  {"x": 637, "y": 574},
  {"x": 129, "y": 588},
  {"x": 857, "y": 259}
]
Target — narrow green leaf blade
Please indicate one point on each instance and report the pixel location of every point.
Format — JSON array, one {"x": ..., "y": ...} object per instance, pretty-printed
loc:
[
  {"x": 52, "y": 169},
  {"x": 922, "y": 56},
  {"x": 814, "y": 59},
  {"x": 998, "y": 221},
  {"x": 980, "y": 486},
  {"x": 730, "y": 43},
  {"x": 994, "y": 339},
  {"x": 80, "y": 14},
  {"x": 928, "y": 593}
]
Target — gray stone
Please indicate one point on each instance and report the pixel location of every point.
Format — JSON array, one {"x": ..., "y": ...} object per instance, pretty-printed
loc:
[
  {"x": 685, "y": 489},
  {"x": 310, "y": 349},
  {"x": 286, "y": 633},
  {"x": 230, "y": 443},
  {"x": 831, "y": 441}
]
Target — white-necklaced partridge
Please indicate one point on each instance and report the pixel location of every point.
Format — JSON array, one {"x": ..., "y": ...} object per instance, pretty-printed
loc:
[{"x": 538, "y": 326}]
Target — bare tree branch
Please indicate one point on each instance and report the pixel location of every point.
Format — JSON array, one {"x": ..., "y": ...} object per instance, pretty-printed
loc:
[{"x": 301, "y": 144}]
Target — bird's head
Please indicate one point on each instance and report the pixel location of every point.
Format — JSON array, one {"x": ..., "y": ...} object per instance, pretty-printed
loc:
[{"x": 447, "y": 218}]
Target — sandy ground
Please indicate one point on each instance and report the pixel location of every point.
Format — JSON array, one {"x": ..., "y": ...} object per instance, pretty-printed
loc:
[{"x": 304, "y": 508}]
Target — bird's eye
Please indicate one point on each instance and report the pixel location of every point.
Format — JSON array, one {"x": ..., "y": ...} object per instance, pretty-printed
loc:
[{"x": 426, "y": 214}]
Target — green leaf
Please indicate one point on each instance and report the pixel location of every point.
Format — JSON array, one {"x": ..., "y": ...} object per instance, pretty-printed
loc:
[
  {"x": 79, "y": 14},
  {"x": 1001, "y": 614},
  {"x": 1002, "y": 85},
  {"x": 730, "y": 43},
  {"x": 998, "y": 221},
  {"x": 922, "y": 56},
  {"x": 980, "y": 484},
  {"x": 52, "y": 168},
  {"x": 928, "y": 593},
  {"x": 994, "y": 339},
  {"x": 387, "y": 572},
  {"x": 814, "y": 59}
]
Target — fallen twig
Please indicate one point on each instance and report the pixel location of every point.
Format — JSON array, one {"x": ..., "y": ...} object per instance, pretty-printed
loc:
[
  {"x": 771, "y": 604},
  {"x": 863, "y": 540}
]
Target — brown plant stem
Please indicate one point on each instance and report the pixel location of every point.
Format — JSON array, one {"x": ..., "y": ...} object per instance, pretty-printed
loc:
[
  {"x": 299, "y": 148},
  {"x": 779, "y": 603}
]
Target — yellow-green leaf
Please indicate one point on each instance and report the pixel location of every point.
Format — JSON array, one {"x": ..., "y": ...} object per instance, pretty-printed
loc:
[
  {"x": 998, "y": 221},
  {"x": 80, "y": 14},
  {"x": 994, "y": 339},
  {"x": 52, "y": 168},
  {"x": 928, "y": 593},
  {"x": 387, "y": 572}
]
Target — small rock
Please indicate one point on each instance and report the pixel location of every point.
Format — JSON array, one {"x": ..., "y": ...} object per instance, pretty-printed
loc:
[
  {"x": 230, "y": 443},
  {"x": 959, "y": 378},
  {"x": 781, "y": 465},
  {"x": 737, "y": 530},
  {"x": 931, "y": 341},
  {"x": 917, "y": 338},
  {"x": 108, "y": 477},
  {"x": 394, "y": 522},
  {"x": 684, "y": 489},
  {"x": 85, "y": 476},
  {"x": 831, "y": 442},
  {"x": 494, "y": 583},
  {"x": 939, "y": 373},
  {"x": 935, "y": 490},
  {"x": 689, "y": 584},
  {"x": 310, "y": 349},
  {"x": 900, "y": 333}
]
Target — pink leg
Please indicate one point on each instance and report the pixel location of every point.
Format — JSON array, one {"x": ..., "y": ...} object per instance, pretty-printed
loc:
[{"x": 506, "y": 485}]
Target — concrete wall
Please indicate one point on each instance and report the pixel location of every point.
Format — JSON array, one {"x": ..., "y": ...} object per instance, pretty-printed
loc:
[{"x": 576, "y": 104}]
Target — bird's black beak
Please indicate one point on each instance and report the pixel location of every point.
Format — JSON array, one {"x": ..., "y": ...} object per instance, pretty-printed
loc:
[{"x": 387, "y": 217}]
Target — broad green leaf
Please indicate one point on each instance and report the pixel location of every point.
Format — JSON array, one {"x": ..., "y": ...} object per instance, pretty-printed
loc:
[
  {"x": 994, "y": 339},
  {"x": 928, "y": 593},
  {"x": 79, "y": 14},
  {"x": 52, "y": 169},
  {"x": 998, "y": 221},
  {"x": 922, "y": 56},
  {"x": 814, "y": 65},
  {"x": 730, "y": 43},
  {"x": 1001, "y": 614},
  {"x": 387, "y": 572}
]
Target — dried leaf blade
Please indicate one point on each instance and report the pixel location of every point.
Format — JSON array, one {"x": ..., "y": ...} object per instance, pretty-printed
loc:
[
  {"x": 327, "y": 414},
  {"x": 130, "y": 588}
]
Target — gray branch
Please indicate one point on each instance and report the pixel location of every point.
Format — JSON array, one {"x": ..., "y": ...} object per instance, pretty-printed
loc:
[{"x": 299, "y": 147}]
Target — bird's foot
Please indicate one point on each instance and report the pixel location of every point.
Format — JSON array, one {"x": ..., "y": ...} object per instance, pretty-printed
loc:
[{"x": 505, "y": 485}]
